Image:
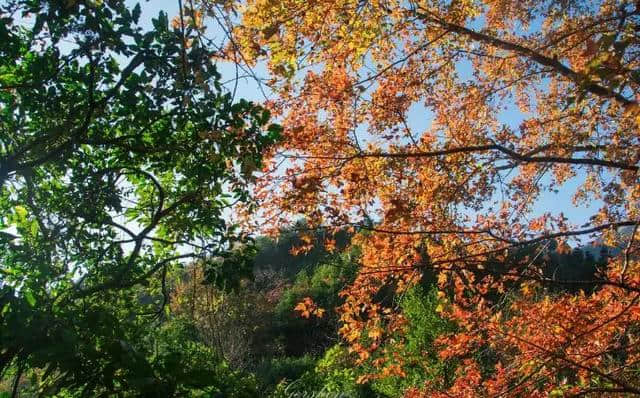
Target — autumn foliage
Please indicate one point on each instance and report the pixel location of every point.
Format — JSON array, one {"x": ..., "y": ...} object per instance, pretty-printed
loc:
[{"x": 438, "y": 130}]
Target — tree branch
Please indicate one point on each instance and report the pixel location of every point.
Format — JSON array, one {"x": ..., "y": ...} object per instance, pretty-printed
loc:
[
  {"x": 526, "y": 158},
  {"x": 535, "y": 56}
]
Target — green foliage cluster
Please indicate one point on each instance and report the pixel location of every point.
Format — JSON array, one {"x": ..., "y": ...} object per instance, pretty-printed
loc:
[
  {"x": 419, "y": 306},
  {"x": 322, "y": 282},
  {"x": 120, "y": 152},
  {"x": 335, "y": 372}
]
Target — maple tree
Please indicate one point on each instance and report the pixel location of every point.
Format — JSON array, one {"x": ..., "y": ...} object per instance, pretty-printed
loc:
[{"x": 436, "y": 129}]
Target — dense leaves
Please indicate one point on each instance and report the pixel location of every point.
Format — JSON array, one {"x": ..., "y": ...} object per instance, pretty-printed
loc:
[
  {"x": 469, "y": 150},
  {"x": 119, "y": 155},
  {"x": 452, "y": 131}
]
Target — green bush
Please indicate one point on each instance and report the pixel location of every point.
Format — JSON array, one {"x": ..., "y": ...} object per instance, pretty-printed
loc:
[
  {"x": 334, "y": 375},
  {"x": 421, "y": 360},
  {"x": 276, "y": 370}
]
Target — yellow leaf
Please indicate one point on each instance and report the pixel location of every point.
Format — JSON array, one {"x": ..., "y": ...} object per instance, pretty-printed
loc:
[
  {"x": 353, "y": 336},
  {"x": 375, "y": 333}
]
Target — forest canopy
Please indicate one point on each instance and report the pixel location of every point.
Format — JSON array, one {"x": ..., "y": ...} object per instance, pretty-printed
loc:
[{"x": 431, "y": 199}]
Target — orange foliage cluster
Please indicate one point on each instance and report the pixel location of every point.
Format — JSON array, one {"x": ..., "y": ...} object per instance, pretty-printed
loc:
[
  {"x": 307, "y": 308},
  {"x": 394, "y": 115}
]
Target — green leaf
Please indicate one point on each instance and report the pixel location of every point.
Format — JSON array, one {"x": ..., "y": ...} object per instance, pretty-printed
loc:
[
  {"x": 21, "y": 212},
  {"x": 135, "y": 13},
  {"x": 31, "y": 300}
]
